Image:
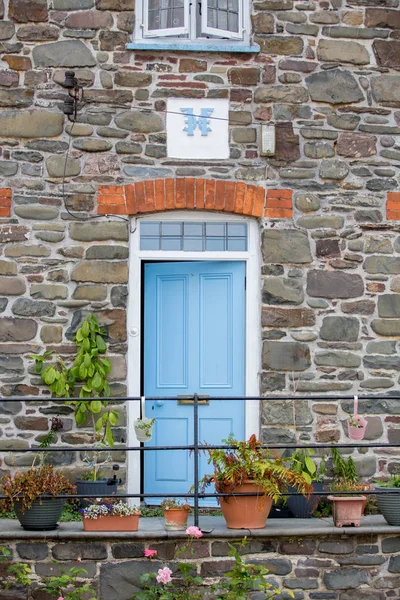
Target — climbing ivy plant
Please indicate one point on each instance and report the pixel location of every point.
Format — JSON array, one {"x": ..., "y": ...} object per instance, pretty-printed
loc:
[{"x": 89, "y": 370}]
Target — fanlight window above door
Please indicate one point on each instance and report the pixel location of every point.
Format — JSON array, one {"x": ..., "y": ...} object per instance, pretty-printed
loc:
[{"x": 193, "y": 236}]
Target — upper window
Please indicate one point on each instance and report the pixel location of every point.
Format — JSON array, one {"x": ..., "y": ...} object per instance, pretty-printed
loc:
[{"x": 185, "y": 23}]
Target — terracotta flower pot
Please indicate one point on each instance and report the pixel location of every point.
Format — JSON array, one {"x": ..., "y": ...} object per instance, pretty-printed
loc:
[
  {"x": 176, "y": 519},
  {"x": 347, "y": 510},
  {"x": 358, "y": 433},
  {"x": 112, "y": 523},
  {"x": 246, "y": 512}
]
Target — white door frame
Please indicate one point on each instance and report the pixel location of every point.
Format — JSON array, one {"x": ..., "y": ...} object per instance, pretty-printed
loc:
[{"x": 253, "y": 316}]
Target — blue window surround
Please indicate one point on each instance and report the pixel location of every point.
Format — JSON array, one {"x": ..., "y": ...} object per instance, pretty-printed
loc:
[{"x": 194, "y": 47}]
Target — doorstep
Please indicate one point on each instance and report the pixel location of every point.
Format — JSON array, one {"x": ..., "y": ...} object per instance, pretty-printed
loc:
[{"x": 212, "y": 527}]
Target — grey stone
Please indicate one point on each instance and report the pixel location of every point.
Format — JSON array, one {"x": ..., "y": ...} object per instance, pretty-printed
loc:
[
  {"x": 340, "y": 328},
  {"x": 11, "y": 365},
  {"x": 386, "y": 89},
  {"x": 278, "y": 290},
  {"x": 36, "y": 212},
  {"x": 147, "y": 172},
  {"x": 337, "y": 359},
  {"x": 275, "y": 435},
  {"x": 301, "y": 583},
  {"x": 120, "y": 581},
  {"x": 49, "y": 291},
  {"x": 119, "y": 296},
  {"x": 139, "y": 122},
  {"x": 92, "y": 145},
  {"x": 69, "y": 53},
  {"x": 287, "y": 317},
  {"x": 362, "y": 33},
  {"x": 17, "y": 330},
  {"x": 285, "y": 246},
  {"x": 30, "y": 308},
  {"x": 90, "y": 292},
  {"x": 128, "y": 550},
  {"x": 335, "y": 86},
  {"x": 100, "y": 272},
  {"x": 285, "y": 412},
  {"x": 391, "y": 545},
  {"x": 302, "y": 29},
  {"x": 50, "y": 236},
  {"x": 272, "y": 382},
  {"x": 56, "y": 166},
  {"x": 90, "y": 232},
  {"x": 111, "y": 132},
  {"x": 32, "y": 551},
  {"x": 107, "y": 252},
  {"x": 87, "y": 551},
  {"x": 342, "y": 52},
  {"x": 386, "y": 327},
  {"x": 344, "y": 579},
  {"x": 389, "y": 305},
  {"x": 12, "y": 286},
  {"x": 382, "y": 362},
  {"x": 333, "y": 169},
  {"x": 286, "y": 356},
  {"x": 378, "y": 244},
  {"x": 319, "y": 150},
  {"x": 307, "y": 202},
  {"x": 388, "y": 265},
  {"x": 378, "y": 347},
  {"x": 72, "y": 4},
  {"x": 18, "y": 250},
  {"x": 328, "y": 284},
  {"x": 7, "y": 30},
  {"x": 8, "y": 168},
  {"x": 373, "y": 406},
  {"x": 341, "y": 547},
  {"x": 53, "y": 146},
  {"x": 292, "y": 94},
  {"x": 321, "y": 222},
  {"x": 348, "y": 122}
]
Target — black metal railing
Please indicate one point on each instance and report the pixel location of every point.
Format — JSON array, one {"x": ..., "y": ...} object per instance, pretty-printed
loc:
[{"x": 197, "y": 447}]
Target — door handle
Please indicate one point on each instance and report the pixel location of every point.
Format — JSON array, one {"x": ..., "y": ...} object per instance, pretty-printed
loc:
[{"x": 186, "y": 400}]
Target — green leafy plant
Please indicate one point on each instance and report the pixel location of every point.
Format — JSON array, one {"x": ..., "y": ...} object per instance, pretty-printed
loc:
[
  {"x": 393, "y": 482},
  {"x": 244, "y": 579},
  {"x": 175, "y": 503},
  {"x": 344, "y": 469},
  {"x": 89, "y": 370},
  {"x": 250, "y": 461},
  {"x": 66, "y": 586},
  {"x": 301, "y": 462},
  {"x": 27, "y": 486}
]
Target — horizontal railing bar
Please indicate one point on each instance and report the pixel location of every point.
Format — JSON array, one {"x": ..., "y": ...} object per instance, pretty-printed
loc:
[
  {"x": 320, "y": 397},
  {"x": 201, "y": 447},
  {"x": 378, "y": 492}
]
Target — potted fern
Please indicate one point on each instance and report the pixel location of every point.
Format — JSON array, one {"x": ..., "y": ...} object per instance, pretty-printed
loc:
[
  {"x": 250, "y": 468},
  {"x": 89, "y": 371}
]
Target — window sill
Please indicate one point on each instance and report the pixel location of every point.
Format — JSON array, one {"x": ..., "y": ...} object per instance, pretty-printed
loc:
[{"x": 194, "y": 46}]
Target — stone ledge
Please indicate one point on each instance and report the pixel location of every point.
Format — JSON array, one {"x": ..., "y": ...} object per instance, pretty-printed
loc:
[{"x": 213, "y": 527}]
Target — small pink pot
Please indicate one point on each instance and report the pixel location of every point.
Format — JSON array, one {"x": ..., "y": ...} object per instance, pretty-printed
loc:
[
  {"x": 358, "y": 433},
  {"x": 347, "y": 510}
]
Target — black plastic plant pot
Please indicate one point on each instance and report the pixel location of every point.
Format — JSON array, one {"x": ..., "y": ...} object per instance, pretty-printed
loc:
[
  {"x": 41, "y": 516},
  {"x": 101, "y": 488},
  {"x": 389, "y": 505},
  {"x": 300, "y": 507}
]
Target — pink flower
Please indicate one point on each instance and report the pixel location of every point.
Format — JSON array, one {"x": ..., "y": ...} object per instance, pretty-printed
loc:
[
  {"x": 164, "y": 575},
  {"x": 60, "y": 598},
  {"x": 150, "y": 553},
  {"x": 194, "y": 532},
  {"x": 79, "y": 559}
]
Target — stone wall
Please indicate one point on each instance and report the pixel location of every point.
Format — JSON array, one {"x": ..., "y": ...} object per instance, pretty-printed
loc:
[
  {"x": 334, "y": 567},
  {"x": 327, "y": 76}
]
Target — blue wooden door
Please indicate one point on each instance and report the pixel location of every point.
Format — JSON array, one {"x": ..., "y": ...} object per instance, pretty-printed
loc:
[{"x": 194, "y": 342}]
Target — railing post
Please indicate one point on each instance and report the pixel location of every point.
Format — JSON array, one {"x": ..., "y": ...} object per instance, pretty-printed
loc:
[{"x": 196, "y": 457}]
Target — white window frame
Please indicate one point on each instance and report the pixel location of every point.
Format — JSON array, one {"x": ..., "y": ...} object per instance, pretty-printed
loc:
[
  {"x": 252, "y": 259},
  {"x": 167, "y": 31},
  {"x": 152, "y": 38},
  {"x": 221, "y": 32}
]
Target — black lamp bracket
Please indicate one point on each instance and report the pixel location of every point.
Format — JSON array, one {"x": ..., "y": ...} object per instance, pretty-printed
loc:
[{"x": 75, "y": 95}]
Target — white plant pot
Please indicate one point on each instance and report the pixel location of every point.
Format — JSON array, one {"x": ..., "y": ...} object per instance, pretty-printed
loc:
[{"x": 142, "y": 434}]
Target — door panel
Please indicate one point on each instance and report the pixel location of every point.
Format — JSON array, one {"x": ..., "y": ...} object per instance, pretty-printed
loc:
[{"x": 194, "y": 342}]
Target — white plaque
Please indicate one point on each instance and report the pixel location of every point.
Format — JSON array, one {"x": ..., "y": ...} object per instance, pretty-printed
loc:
[{"x": 197, "y": 128}]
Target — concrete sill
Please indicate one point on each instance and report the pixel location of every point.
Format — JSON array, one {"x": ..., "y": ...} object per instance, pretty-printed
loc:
[
  {"x": 193, "y": 47},
  {"x": 213, "y": 527}
]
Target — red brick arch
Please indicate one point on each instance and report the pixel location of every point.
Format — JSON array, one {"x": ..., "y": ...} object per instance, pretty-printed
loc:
[{"x": 157, "y": 195}]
